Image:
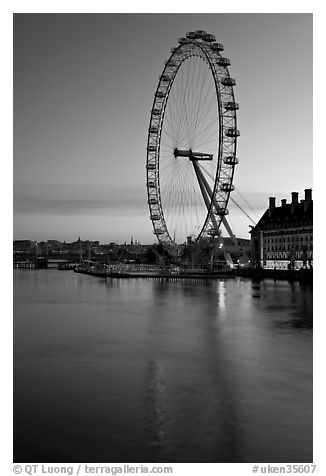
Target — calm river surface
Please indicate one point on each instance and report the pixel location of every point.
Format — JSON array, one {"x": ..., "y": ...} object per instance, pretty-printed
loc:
[{"x": 150, "y": 371}]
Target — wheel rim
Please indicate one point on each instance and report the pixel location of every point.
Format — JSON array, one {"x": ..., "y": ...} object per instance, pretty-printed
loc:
[{"x": 190, "y": 115}]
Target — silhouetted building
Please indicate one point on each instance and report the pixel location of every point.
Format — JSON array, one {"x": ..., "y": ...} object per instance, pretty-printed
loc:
[
  {"x": 23, "y": 245},
  {"x": 283, "y": 237},
  {"x": 54, "y": 245},
  {"x": 238, "y": 251}
]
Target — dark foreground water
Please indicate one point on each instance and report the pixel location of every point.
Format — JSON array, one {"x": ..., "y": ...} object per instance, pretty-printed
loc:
[{"x": 150, "y": 371}]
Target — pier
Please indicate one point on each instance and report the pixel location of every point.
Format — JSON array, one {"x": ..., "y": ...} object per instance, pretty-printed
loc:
[{"x": 164, "y": 275}]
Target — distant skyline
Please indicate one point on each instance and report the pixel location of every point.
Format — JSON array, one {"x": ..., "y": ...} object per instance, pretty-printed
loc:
[{"x": 83, "y": 91}]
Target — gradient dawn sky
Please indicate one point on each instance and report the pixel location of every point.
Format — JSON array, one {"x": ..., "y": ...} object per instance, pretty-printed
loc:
[{"x": 83, "y": 92}]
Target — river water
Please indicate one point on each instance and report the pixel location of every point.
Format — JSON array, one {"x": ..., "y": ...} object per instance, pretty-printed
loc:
[{"x": 151, "y": 371}]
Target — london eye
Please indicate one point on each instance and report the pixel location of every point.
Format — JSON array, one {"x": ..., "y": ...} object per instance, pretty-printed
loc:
[{"x": 192, "y": 142}]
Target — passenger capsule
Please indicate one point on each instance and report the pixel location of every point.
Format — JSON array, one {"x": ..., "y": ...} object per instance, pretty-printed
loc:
[
  {"x": 170, "y": 63},
  {"x": 232, "y": 133},
  {"x": 223, "y": 61},
  {"x": 221, "y": 211},
  {"x": 153, "y": 201},
  {"x": 165, "y": 77},
  {"x": 217, "y": 47},
  {"x": 209, "y": 38},
  {"x": 191, "y": 35},
  {"x": 231, "y": 106},
  {"x": 227, "y": 187},
  {"x": 230, "y": 160},
  {"x": 213, "y": 232},
  {"x": 199, "y": 33},
  {"x": 228, "y": 82}
]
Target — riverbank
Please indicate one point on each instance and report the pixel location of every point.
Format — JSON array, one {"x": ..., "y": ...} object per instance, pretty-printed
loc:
[{"x": 302, "y": 275}]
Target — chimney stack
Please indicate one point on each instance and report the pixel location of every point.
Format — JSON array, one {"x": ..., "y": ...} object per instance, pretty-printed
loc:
[
  {"x": 295, "y": 197},
  {"x": 295, "y": 200},
  {"x": 271, "y": 205},
  {"x": 283, "y": 201},
  {"x": 307, "y": 198},
  {"x": 308, "y": 194}
]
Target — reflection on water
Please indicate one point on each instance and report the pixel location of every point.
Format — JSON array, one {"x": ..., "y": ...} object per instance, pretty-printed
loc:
[{"x": 153, "y": 371}]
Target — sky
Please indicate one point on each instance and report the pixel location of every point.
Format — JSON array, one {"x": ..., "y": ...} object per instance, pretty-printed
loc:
[{"x": 83, "y": 91}]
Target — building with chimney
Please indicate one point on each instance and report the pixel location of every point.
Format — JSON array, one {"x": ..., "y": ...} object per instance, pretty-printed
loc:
[{"x": 283, "y": 237}]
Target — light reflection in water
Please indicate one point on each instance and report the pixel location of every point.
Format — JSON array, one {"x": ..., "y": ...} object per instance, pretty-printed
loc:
[{"x": 221, "y": 294}]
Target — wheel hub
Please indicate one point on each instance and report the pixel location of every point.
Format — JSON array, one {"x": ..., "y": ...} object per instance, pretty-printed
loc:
[{"x": 192, "y": 155}]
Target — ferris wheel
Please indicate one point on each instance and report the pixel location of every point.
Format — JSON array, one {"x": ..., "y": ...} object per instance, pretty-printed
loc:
[{"x": 192, "y": 139}]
